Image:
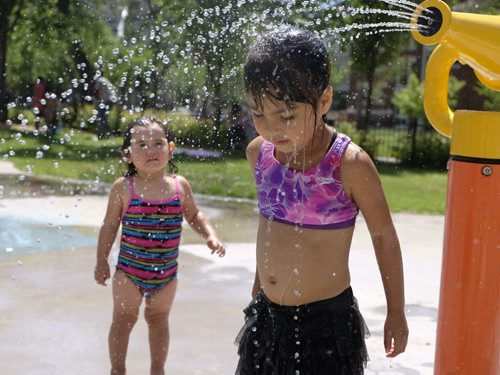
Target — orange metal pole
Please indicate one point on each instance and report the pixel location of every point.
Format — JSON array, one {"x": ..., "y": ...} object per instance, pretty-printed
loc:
[
  {"x": 468, "y": 327},
  {"x": 468, "y": 330}
]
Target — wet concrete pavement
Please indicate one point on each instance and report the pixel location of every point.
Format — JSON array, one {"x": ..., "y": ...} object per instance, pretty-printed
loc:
[{"x": 54, "y": 319}]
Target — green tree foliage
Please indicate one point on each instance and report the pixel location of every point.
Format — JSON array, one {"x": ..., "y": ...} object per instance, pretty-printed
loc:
[
  {"x": 409, "y": 100},
  {"x": 426, "y": 148},
  {"x": 374, "y": 47},
  {"x": 54, "y": 39},
  {"x": 492, "y": 98},
  {"x": 212, "y": 42}
]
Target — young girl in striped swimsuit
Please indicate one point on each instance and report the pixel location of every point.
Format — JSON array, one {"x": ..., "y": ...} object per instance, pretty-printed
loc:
[{"x": 150, "y": 205}]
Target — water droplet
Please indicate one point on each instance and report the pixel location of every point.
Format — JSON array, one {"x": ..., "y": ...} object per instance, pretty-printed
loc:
[{"x": 9, "y": 249}]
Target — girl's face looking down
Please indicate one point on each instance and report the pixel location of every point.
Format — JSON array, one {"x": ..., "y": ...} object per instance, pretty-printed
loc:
[
  {"x": 289, "y": 126},
  {"x": 149, "y": 149}
]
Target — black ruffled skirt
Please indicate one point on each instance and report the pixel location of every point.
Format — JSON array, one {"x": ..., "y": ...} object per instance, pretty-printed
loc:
[{"x": 320, "y": 338}]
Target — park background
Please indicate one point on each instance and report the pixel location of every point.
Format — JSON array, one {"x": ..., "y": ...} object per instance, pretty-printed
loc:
[{"x": 181, "y": 61}]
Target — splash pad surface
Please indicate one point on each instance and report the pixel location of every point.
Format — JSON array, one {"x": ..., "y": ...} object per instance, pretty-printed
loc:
[{"x": 51, "y": 304}]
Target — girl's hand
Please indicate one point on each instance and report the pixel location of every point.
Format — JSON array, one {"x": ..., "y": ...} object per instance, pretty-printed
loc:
[
  {"x": 395, "y": 334},
  {"x": 101, "y": 272},
  {"x": 216, "y": 246}
]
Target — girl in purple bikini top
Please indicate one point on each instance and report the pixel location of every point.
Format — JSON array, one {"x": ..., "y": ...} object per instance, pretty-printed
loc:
[{"x": 314, "y": 198}]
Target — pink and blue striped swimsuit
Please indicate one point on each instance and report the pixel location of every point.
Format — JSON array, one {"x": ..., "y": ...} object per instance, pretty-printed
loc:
[
  {"x": 151, "y": 233},
  {"x": 314, "y": 198}
]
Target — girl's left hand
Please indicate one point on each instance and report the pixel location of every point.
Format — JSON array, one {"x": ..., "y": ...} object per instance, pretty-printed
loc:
[
  {"x": 216, "y": 246},
  {"x": 395, "y": 334}
]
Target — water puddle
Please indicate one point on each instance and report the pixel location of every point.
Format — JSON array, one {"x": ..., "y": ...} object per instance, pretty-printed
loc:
[
  {"x": 22, "y": 235},
  {"x": 39, "y": 227},
  {"x": 24, "y": 186}
]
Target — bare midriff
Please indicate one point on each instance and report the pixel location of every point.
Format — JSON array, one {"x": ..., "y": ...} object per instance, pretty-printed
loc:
[{"x": 301, "y": 265}]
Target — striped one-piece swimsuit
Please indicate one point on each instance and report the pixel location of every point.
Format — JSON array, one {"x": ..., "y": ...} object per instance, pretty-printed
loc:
[{"x": 151, "y": 233}]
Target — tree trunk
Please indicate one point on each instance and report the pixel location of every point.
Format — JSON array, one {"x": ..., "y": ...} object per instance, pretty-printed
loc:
[
  {"x": 218, "y": 94},
  {"x": 413, "y": 135},
  {"x": 413, "y": 128},
  {"x": 86, "y": 70},
  {"x": 370, "y": 77},
  {"x": 5, "y": 11},
  {"x": 63, "y": 6}
]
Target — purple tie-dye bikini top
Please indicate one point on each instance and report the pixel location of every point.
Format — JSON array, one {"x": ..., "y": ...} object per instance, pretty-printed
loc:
[{"x": 314, "y": 198}]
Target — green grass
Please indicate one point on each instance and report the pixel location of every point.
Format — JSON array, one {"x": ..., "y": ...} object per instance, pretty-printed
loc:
[
  {"x": 79, "y": 155},
  {"x": 414, "y": 190}
]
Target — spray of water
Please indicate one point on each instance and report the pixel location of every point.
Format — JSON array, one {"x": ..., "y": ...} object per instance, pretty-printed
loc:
[{"x": 186, "y": 57}]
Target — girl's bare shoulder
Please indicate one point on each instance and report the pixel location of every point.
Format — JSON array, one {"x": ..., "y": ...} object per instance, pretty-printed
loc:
[
  {"x": 120, "y": 191},
  {"x": 184, "y": 186},
  {"x": 253, "y": 150},
  {"x": 357, "y": 167},
  {"x": 181, "y": 180},
  {"x": 120, "y": 185},
  {"x": 354, "y": 154}
]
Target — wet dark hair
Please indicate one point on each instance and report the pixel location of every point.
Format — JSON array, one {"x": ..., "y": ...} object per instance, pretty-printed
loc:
[
  {"x": 127, "y": 141},
  {"x": 287, "y": 64}
]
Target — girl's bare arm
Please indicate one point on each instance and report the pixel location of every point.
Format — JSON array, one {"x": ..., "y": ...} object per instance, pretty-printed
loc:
[
  {"x": 197, "y": 220},
  {"x": 252, "y": 153},
  {"x": 362, "y": 182},
  {"x": 109, "y": 228}
]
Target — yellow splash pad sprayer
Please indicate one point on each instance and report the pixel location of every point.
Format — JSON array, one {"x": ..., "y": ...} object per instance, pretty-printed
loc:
[{"x": 468, "y": 328}]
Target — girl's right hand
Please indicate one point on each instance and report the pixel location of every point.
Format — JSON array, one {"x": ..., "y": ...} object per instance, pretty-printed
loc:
[
  {"x": 216, "y": 246},
  {"x": 102, "y": 273}
]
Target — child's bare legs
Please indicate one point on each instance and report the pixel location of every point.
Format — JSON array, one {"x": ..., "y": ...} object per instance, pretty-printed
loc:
[
  {"x": 126, "y": 302},
  {"x": 156, "y": 313}
]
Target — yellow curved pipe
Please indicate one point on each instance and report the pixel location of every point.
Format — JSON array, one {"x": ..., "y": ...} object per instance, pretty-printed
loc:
[
  {"x": 471, "y": 39},
  {"x": 436, "y": 89}
]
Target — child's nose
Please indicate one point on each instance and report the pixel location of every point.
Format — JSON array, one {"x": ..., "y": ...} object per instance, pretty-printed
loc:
[{"x": 278, "y": 131}]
